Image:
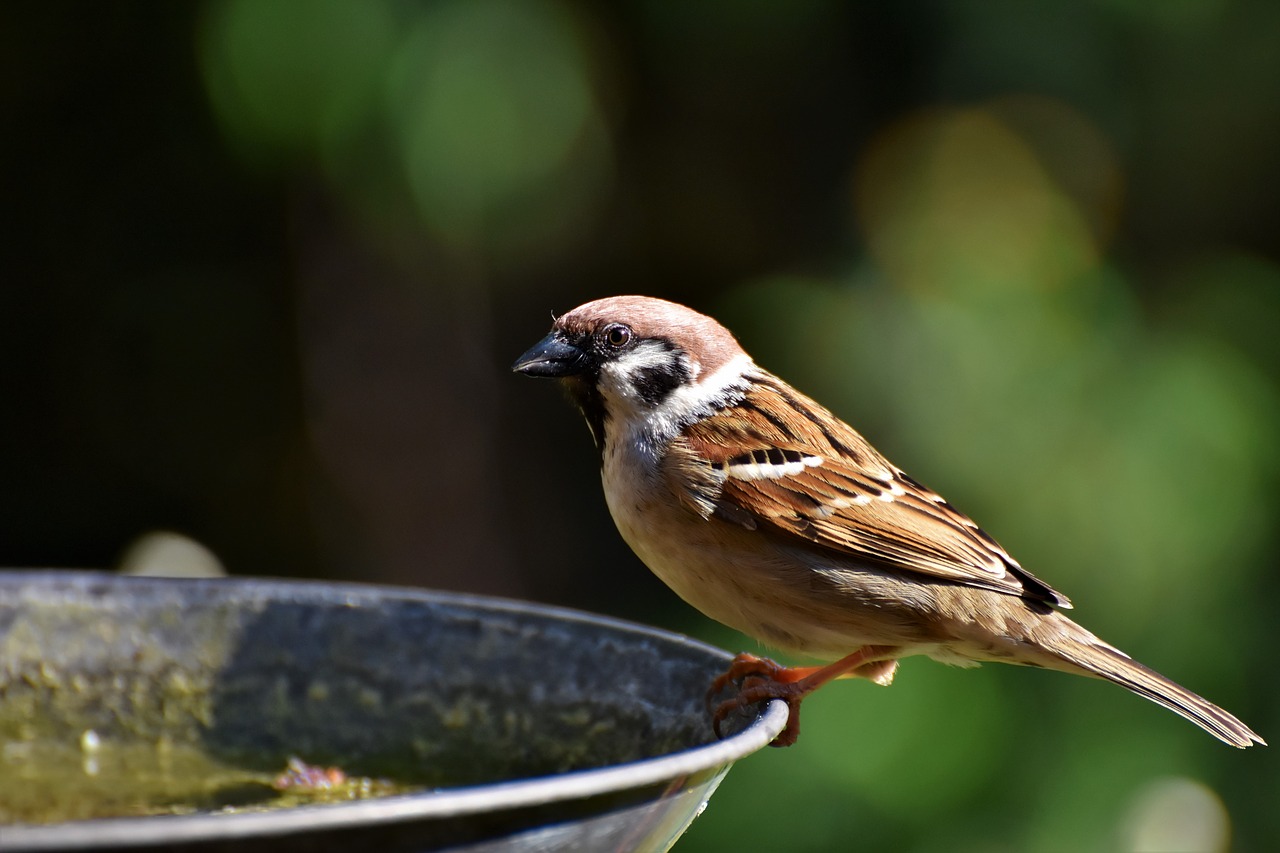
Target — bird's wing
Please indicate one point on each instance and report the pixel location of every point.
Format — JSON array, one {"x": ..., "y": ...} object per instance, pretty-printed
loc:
[{"x": 778, "y": 461}]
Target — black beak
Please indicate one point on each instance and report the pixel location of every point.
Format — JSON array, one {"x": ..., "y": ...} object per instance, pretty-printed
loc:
[{"x": 552, "y": 357}]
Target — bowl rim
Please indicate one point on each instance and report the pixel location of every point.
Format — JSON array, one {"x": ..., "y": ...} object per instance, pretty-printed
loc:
[{"x": 427, "y": 805}]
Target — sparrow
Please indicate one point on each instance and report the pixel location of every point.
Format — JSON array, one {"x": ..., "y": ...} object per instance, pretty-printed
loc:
[{"x": 769, "y": 514}]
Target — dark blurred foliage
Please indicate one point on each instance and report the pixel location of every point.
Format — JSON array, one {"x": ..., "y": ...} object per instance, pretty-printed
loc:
[{"x": 266, "y": 264}]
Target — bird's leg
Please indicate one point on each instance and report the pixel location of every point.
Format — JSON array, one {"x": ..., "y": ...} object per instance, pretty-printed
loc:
[{"x": 760, "y": 679}]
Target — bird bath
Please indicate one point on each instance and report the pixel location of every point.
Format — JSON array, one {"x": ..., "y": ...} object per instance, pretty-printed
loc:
[{"x": 137, "y": 712}]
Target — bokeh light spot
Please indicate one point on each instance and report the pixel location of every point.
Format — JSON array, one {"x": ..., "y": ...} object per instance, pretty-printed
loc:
[
  {"x": 288, "y": 77},
  {"x": 493, "y": 103},
  {"x": 1177, "y": 814},
  {"x": 956, "y": 200}
]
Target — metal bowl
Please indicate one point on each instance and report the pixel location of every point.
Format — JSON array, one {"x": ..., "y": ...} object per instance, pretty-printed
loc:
[{"x": 524, "y": 727}]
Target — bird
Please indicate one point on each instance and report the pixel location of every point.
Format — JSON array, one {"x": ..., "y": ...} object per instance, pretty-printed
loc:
[{"x": 769, "y": 514}]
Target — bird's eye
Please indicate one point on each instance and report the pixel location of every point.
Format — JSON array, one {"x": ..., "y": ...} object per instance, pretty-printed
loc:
[{"x": 617, "y": 336}]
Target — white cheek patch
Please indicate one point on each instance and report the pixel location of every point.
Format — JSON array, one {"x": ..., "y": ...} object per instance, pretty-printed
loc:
[
  {"x": 771, "y": 464},
  {"x": 619, "y": 375},
  {"x": 727, "y": 382},
  {"x": 655, "y": 424},
  {"x": 647, "y": 355}
]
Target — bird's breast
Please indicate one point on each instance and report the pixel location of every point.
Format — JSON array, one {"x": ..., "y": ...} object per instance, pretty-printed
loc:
[
  {"x": 683, "y": 550},
  {"x": 736, "y": 576}
]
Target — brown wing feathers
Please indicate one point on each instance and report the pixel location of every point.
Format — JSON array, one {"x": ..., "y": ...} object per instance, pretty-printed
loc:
[{"x": 852, "y": 501}]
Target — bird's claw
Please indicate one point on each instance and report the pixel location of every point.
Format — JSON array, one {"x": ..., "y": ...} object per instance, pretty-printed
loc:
[
  {"x": 743, "y": 666},
  {"x": 756, "y": 680}
]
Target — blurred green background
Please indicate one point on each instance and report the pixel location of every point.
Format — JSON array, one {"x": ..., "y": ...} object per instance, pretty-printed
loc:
[{"x": 266, "y": 265}]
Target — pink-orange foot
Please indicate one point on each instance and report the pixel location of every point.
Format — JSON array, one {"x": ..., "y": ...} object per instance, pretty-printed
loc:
[
  {"x": 762, "y": 680},
  {"x": 758, "y": 680},
  {"x": 744, "y": 666}
]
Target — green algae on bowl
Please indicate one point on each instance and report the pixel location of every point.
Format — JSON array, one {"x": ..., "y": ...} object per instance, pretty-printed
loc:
[
  {"x": 44, "y": 781},
  {"x": 138, "y": 713}
]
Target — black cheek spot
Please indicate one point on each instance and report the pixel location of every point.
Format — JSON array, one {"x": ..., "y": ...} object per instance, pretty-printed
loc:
[{"x": 655, "y": 384}]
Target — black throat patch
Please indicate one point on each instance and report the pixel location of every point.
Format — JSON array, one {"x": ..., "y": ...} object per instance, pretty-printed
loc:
[{"x": 589, "y": 401}]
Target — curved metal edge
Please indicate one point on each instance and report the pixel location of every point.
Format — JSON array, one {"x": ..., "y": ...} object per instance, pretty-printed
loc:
[
  {"x": 352, "y": 593},
  {"x": 433, "y": 805}
]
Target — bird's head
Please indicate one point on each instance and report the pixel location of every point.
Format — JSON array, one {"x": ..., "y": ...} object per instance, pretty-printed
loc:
[{"x": 637, "y": 359}]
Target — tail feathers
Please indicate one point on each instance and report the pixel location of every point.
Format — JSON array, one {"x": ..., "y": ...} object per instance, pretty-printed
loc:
[{"x": 1108, "y": 662}]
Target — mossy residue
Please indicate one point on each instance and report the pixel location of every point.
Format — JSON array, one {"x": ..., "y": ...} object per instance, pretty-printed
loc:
[
  {"x": 197, "y": 695},
  {"x": 45, "y": 781}
]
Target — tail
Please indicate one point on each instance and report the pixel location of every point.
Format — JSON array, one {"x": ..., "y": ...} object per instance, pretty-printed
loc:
[{"x": 1099, "y": 659}]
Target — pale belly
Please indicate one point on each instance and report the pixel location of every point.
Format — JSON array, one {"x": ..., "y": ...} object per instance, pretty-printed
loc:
[{"x": 742, "y": 579}]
